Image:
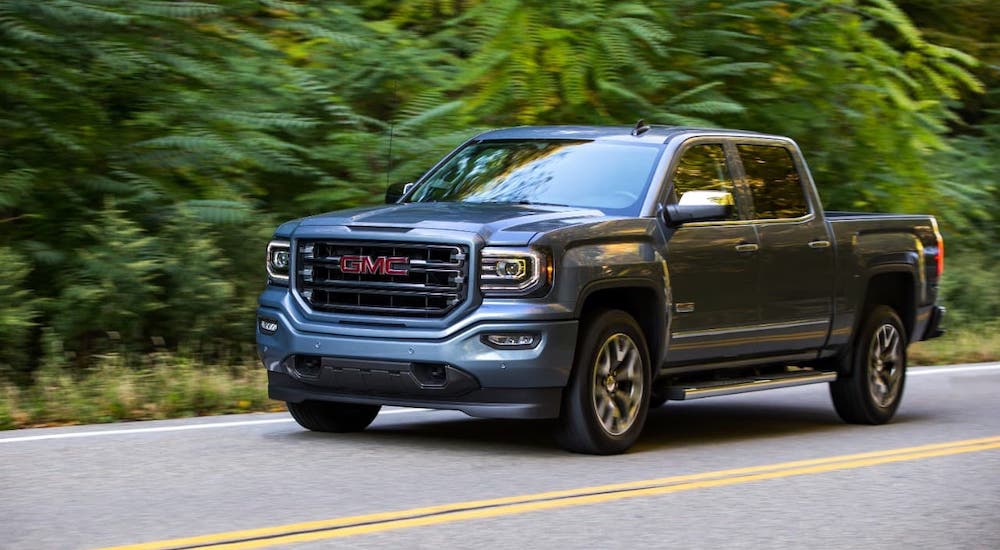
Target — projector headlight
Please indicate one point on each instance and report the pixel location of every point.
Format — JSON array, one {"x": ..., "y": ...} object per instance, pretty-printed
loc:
[
  {"x": 278, "y": 262},
  {"x": 513, "y": 271}
]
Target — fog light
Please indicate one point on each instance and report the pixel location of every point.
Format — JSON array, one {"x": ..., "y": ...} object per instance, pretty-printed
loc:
[
  {"x": 268, "y": 326},
  {"x": 511, "y": 341}
]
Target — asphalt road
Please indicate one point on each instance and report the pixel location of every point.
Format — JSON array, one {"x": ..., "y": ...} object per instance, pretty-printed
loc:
[{"x": 774, "y": 469}]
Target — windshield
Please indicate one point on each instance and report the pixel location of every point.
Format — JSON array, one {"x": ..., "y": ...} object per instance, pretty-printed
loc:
[{"x": 612, "y": 177}]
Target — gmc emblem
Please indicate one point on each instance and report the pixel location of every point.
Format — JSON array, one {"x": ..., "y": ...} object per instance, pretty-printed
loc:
[{"x": 382, "y": 265}]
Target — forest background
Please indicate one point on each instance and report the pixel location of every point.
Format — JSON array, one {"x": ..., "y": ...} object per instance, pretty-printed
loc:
[{"x": 148, "y": 148}]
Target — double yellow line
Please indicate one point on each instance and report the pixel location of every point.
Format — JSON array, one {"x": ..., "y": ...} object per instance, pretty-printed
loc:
[{"x": 479, "y": 509}]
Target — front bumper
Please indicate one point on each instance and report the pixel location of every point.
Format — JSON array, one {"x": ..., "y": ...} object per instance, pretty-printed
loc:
[
  {"x": 458, "y": 371},
  {"x": 484, "y": 402}
]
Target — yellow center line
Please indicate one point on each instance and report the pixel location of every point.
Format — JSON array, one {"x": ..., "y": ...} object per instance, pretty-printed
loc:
[{"x": 479, "y": 509}]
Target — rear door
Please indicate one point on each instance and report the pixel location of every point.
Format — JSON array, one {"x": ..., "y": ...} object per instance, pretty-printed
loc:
[
  {"x": 796, "y": 256},
  {"x": 712, "y": 265}
]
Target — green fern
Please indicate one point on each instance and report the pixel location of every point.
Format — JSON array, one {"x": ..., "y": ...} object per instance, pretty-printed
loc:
[
  {"x": 217, "y": 211},
  {"x": 183, "y": 10},
  {"x": 138, "y": 138}
]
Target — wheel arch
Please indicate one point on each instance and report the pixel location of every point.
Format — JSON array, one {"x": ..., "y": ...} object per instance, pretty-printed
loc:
[
  {"x": 893, "y": 286},
  {"x": 641, "y": 299},
  {"x": 890, "y": 284}
]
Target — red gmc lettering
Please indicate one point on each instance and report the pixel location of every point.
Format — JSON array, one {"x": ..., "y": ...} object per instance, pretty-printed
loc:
[
  {"x": 392, "y": 265},
  {"x": 382, "y": 265}
]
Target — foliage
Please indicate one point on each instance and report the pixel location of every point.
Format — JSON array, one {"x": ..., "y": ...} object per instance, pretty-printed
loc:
[
  {"x": 966, "y": 344},
  {"x": 151, "y": 387},
  {"x": 17, "y": 314},
  {"x": 127, "y": 128},
  {"x": 148, "y": 148}
]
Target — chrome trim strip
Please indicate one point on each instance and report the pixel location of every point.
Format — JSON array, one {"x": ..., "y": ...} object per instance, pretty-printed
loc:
[
  {"x": 752, "y": 328},
  {"x": 803, "y": 219}
]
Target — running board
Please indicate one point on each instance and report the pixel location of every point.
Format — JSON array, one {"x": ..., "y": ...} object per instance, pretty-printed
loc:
[{"x": 697, "y": 390}]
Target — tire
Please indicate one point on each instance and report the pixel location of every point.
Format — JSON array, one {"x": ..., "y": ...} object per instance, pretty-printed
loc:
[
  {"x": 871, "y": 393},
  {"x": 320, "y": 416},
  {"x": 605, "y": 404}
]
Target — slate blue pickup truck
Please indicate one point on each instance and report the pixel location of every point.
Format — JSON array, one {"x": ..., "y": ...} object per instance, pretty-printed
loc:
[{"x": 587, "y": 274}]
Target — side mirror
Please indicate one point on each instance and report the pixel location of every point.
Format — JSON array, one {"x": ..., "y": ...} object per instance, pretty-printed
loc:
[
  {"x": 397, "y": 191},
  {"x": 676, "y": 214},
  {"x": 700, "y": 206}
]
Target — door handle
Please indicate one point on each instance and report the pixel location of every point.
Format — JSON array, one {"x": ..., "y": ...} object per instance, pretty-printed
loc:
[
  {"x": 747, "y": 247},
  {"x": 819, "y": 244}
]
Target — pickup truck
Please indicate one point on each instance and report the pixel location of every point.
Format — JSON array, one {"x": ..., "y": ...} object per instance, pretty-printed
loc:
[{"x": 586, "y": 274}]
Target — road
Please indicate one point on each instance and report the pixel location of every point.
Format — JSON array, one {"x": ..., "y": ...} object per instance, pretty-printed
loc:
[{"x": 774, "y": 469}]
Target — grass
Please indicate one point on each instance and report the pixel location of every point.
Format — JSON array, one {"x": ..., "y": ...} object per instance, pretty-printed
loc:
[
  {"x": 165, "y": 386},
  {"x": 962, "y": 345},
  {"x": 170, "y": 386}
]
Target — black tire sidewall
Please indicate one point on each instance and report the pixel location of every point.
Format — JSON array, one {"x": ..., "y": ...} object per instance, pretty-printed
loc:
[
  {"x": 578, "y": 408},
  {"x": 878, "y": 317},
  {"x": 335, "y": 417}
]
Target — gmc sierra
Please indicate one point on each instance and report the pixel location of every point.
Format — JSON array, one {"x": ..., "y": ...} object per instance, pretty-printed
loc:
[{"x": 589, "y": 273}]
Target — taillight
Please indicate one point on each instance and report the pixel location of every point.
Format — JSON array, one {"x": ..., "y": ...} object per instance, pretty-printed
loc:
[{"x": 939, "y": 257}]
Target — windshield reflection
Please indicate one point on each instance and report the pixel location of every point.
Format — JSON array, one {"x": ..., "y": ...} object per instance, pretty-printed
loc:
[{"x": 609, "y": 176}]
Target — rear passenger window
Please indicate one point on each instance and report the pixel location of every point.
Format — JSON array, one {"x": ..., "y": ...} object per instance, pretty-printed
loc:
[
  {"x": 774, "y": 182},
  {"x": 702, "y": 177}
]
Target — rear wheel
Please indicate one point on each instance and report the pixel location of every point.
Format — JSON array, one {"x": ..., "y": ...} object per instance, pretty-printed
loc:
[
  {"x": 872, "y": 391},
  {"x": 605, "y": 404},
  {"x": 320, "y": 416}
]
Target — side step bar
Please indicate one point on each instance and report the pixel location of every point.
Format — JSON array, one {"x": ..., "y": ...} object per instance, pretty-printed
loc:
[{"x": 712, "y": 388}]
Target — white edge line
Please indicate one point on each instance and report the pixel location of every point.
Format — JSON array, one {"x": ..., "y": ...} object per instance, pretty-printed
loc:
[
  {"x": 97, "y": 433},
  {"x": 920, "y": 371}
]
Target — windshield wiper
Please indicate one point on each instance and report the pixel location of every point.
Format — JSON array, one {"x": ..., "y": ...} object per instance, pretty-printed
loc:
[{"x": 525, "y": 202}]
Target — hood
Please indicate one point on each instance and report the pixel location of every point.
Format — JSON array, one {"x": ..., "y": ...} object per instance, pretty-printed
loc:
[{"x": 496, "y": 224}]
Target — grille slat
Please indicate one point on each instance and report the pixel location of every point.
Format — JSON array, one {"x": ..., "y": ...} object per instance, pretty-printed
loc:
[
  {"x": 417, "y": 266},
  {"x": 375, "y": 286},
  {"x": 435, "y": 282},
  {"x": 388, "y": 292}
]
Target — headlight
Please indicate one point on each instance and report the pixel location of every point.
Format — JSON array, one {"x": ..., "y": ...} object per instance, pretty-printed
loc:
[
  {"x": 513, "y": 272},
  {"x": 278, "y": 262}
]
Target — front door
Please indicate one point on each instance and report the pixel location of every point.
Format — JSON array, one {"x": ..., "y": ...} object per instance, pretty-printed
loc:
[{"x": 712, "y": 265}]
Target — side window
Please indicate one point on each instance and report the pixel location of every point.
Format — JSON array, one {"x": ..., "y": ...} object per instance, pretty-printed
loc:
[
  {"x": 702, "y": 177},
  {"x": 774, "y": 182}
]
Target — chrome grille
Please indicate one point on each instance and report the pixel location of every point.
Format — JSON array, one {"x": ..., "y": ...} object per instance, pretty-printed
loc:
[{"x": 436, "y": 282}]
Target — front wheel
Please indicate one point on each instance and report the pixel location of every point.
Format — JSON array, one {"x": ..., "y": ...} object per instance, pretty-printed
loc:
[
  {"x": 320, "y": 416},
  {"x": 871, "y": 393},
  {"x": 605, "y": 404}
]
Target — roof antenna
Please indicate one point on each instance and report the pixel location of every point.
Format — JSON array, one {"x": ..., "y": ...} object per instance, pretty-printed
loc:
[
  {"x": 640, "y": 128},
  {"x": 388, "y": 163}
]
